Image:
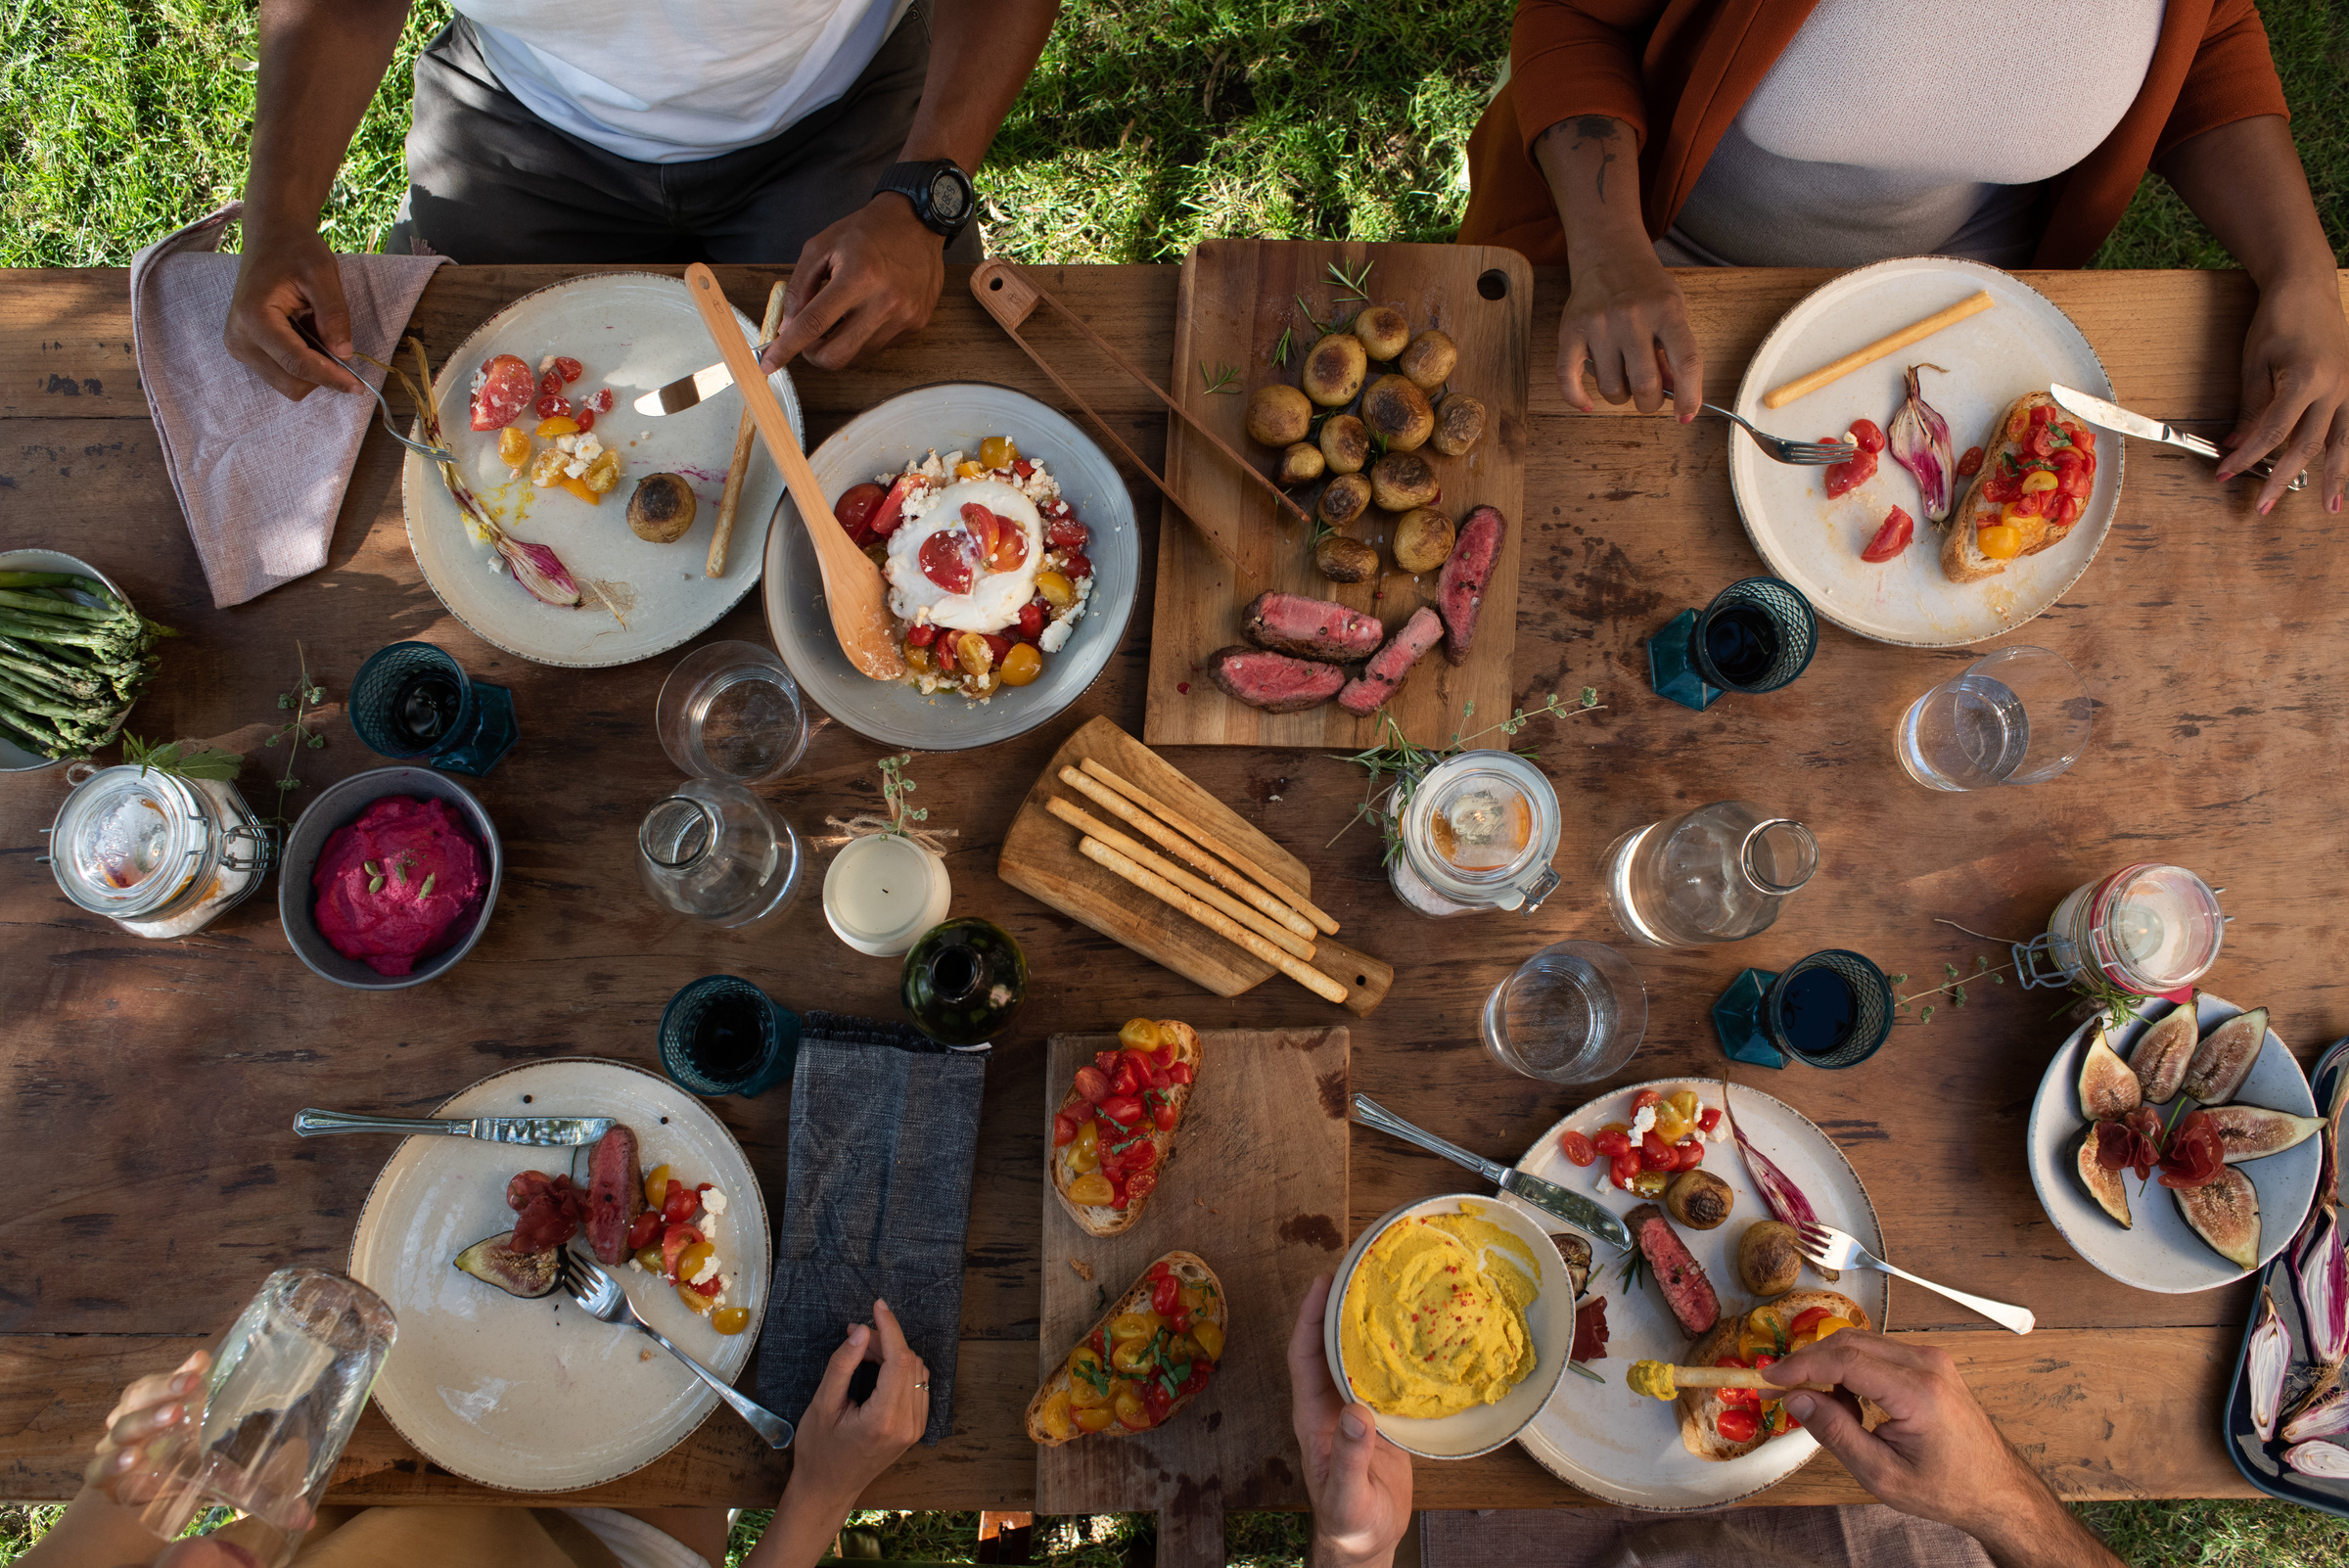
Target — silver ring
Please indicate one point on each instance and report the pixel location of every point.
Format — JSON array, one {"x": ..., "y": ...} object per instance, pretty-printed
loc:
[{"x": 924, "y": 1387}]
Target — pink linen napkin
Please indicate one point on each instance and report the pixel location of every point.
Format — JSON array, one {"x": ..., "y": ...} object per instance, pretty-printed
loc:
[{"x": 261, "y": 479}]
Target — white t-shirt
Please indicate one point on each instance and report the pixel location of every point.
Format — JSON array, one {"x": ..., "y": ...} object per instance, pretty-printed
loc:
[{"x": 670, "y": 81}]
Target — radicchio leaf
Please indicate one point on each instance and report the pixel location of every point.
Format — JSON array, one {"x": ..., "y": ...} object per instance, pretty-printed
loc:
[
  {"x": 2324, "y": 1416},
  {"x": 1920, "y": 442},
  {"x": 2267, "y": 1360},
  {"x": 2319, "y": 1459}
]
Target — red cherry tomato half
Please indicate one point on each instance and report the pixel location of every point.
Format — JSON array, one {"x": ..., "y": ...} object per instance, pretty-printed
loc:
[
  {"x": 550, "y": 385},
  {"x": 1123, "y": 1109},
  {"x": 1579, "y": 1150},
  {"x": 1166, "y": 1294},
  {"x": 2040, "y": 442},
  {"x": 1023, "y": 468},
  {"x": 1010, "y": 550},
  {"x": 584, "y": 418},
  {"x": 857, "y": 506},
  {"x": 1065, "y": 533},
  {"x": 1032, "y": 620},
  {"x": 1738, "y": 1425},
  {"x": 1709, "y": 1118},
  {"x": 2067, "y": 509},
  {"x": 1866, "y": 434},
  {"x": 1179, "y": 1073},
  {"x": 921, "y": 636},
  {"x": 1804, "y": 1319},
  {"x": 568, "y": 368},
  {"x": 1646, "y": 1098},
  {"x": 945, "y": 560},
  {"x": 673, "y": 1241},
  {"x": 1156, "y": 1403},
  {"x": 1064, "y": 1130},
  {"x": 1136, "y": 1187},
  {"x": 1079, "y": 566},
  {"x": 1614, "y": 1144},
  {"x": 1622, "y": 1169},
  {"x": 985, "y": 527},
  {"x": 1689, "y": 1154},
  {"x": 2040, "y": 414},
  {"x": 1844, "y": 478},
  {"x": 709, "y": 1286},
  {"x": 506, "y": 390},
  {"x": 1141, "y": 1157},
  {"x": 601, "y": 402},
  {"x": 1655, "y": 1154},
  {"x": 884, "y": 521},
  {"x": 2085, "y": 438},
  {"x": 1093, "y": 1084},
  {"x": 677, "y": 1206},
  {"x": 551, "y": 406},
  {"x": 1122, "y": 1077},
  {"x": 1166, "y": 1116},
  {"x": 643, "y": 1230},
  {"x": 1892, "y": 538},
  {"x": 1970, "y": 464}
]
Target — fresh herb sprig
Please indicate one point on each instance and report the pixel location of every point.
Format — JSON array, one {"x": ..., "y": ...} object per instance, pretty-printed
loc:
[
  {"x": 1223, "y": 379},
  {"x": 2114, "y": 1006},
  {"x": 302, "y": 703},
  {"x": 182, "y": 758},
  {"x": 1399, "y": 756},
  {"x": 894, "y": 788},
  {"x": 1953, "y": 987},
  {"x": 1351, "y": 284},
  {"x": 1280, "y": 349}
]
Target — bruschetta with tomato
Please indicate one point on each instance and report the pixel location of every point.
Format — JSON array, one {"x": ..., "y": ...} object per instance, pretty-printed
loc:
[
  {"x": 1728, "y": 1423},
  {"x": 1114, "y": 1131},
  {"x": 2031, "y": 490},
  {"x": 1143, "y": 1362}
]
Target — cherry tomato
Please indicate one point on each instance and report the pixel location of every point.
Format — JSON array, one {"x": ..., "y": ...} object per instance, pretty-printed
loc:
[
  {"x": 921, "y": 636},
  {"x": 1843, "y": 478},
  {"x": 551, "y": 406},
  {"x": 2076, "y": 484},
  {"x": 675, "y": 1240},
  {"x": 1179, "y": 1073},
  {"x": 677, "y": 1206},
  {"x": 585, "y": 418},
  {"x": 1869, "y": 437},
  {"x": 2067, "y": 509},
  {"x": 985, "y": 527},
  {"x": 1892, "y": 538},
  {"x": 1805, "y": 1318},
  {"x": 2040, "y": 414},
  {"x": 1079, "y": 566},
  {"x": 1623, "y": 1170},
  {"x": 708, "y": 1287},
  {"x": 2002, "y": 487},
  {"x": 1709, "y": 1118},
  {"x": 1166, "y": 1294},
  {"x": 1579, "y": 1150},
  {"x": 1646, "y": 1098},
  {"x": 855, "y": 508},
  {"x": 1156, "y": 1401},
  {"x": 1166, "y": 1115},
  {"x": 1970, "y": 464},
  {"x": 1093, "y": 1084},
  {"x": 550, "y": 385},
  {"x": 945, "y": 560},
  {"x": 1656, "y": 1155},
  {"x": 892, "y": 512},
  {"x": 601, "y": 401},
  {"x": 1123, "y": 1109},
  {"x": 1137, "y": 1187},
  {"x": 643, "y": 1230},
  {"x": 1032, "y": 619},
  {"x": 1023, "y": 468},
  {"x": 1064, "y": 1130},
  {"x": 1689, "y": 1153},
  {"x": 1107, "y": 1061},
  {"x": 1613, "y": 1142},
  {"x": 1736, "y": 1425},
  {"x": 1141, "y": 1157},
  {"x": 1065, "y": 533},
  {"x": 2040, "y": 442},
  {"x": 1011, "y": 547},
  {"x": 2083, "y": 438}
]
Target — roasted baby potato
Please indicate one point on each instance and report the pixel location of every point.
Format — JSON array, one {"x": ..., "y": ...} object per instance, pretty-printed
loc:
[
  {"x": 1278, "y": 414},
  {"x": 1383, "y": 330},
  {"x": 1402, "y": 481},
  {"x": 1423, "y": 539},
  {"x": 1346, "y": 560},
  {"x": 1300, "y": 464},
  {"x": 1428, "y": 362},
  {"x": 1459, "y": 425},
  {"x": 1398, "y": 411},
  {"x": 1770, "y": 1257},
  {"x": 1342, "y": 499},
  {"x": 1334, "y": 369},
  {"x": 1345, "y": 444},
  {"x": 662, "y": 509}
]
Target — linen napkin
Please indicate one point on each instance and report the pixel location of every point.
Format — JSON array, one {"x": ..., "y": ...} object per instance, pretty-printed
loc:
[
  {"x": 261, "y": 479},
  {"x": 884, "y": 1129}
]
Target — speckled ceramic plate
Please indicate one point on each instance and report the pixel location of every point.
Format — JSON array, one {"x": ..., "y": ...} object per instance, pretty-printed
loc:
[
  {"x": 2160, "y": 1251},
  {"x": 1626, "y": 1447},
  {"x": 882, "y": 440},
  {"x": 2023, "y": 343},
  {"x": 535, "y": 1396},
  {"x": 632, "y": 332}
]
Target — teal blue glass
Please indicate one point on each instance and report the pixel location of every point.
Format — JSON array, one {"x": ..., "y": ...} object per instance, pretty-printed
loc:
[
  {"x": 413, "y": 702},
  {"x": 1758, "y": 634},
  {"x": 724, "y": 1036},
  {"x": 1832, "y": 1009}
]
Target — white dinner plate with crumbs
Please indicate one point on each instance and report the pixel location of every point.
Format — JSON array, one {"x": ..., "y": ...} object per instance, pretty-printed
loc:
[
  {"x": 1626, "y": 1447},
  {"x": 2021, "y": 343},
  {"x": 535, "y": 1396},
  {"x": 631, "y": 332}
]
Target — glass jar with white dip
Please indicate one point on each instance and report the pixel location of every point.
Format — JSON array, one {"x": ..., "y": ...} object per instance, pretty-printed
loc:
[
  {"x": 158, "y": 855},
  {"x": 1474, "y": 832}
]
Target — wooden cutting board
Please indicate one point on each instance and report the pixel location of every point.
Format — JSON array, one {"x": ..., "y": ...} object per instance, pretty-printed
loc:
[
  {"x": 1258, "y": 1188},
  {"x": 1041, "y": 859},
  {"x": 1237, "y": 299}
]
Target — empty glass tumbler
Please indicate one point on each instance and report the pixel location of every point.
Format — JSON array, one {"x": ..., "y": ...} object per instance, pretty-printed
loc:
[
  {"x": 2020, "y": 716},
  {"x": 720, "y": 853},
  {"x": 1715, "y": 874},
  {"x": 1572, "y": 1013},
  {"x": 731, "y": 711}
]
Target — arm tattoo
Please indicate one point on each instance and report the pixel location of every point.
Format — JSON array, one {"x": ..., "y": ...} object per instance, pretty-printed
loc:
[{"x": 1602, "y": 129}]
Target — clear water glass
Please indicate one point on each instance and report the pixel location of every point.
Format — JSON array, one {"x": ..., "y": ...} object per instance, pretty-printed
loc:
[
  {"x": 288, "y": 1381},
  {"x": 717, "y": 852},
  {"x": 1572, "y": 1013},
  {"x": 731, "y": 711},
  {"x": 2021, "y": 715},
  {"x": 1718, "y": 873}
]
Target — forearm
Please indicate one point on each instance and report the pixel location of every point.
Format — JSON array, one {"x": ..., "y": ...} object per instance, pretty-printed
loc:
[
  {"x": 321, "y": 60},
  {"x": 93, "y": 1529},
  {"x": 2031, "y": 1528},
  {"x": 803, "y": 1529},
  {"x": 981, "y": 52},
  {"x": 1592, "y": 163},
  {"x": 2245, "y": 182}
]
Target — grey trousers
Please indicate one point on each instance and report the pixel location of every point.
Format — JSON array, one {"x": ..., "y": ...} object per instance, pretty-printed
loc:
[{"x": 489, "y": 181}]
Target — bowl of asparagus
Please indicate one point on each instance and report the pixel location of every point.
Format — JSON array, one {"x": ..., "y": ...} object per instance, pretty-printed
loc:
[{"x": 73, "y": 657}]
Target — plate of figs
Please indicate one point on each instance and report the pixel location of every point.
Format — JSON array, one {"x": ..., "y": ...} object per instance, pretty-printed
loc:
[{"x": 2178, "y": 1151}]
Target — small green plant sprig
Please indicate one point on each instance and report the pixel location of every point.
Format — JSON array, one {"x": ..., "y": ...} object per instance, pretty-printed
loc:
[
  {"x": 1399, "y": 756},
  {"x": 895, "y": 787},
  {"x": 182, "y": 758},
  {"x": 2114, "y": 1005},
  {"x": 1223, "y": 379},
  {"x": 1953, "y": 987},
  {"x": 301, "y": 701}
]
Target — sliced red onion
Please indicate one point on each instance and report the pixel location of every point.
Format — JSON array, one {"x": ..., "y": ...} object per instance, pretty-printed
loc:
[
  {"x": 2267, "y": 1360},
  {"x": 2320, "y": 1268},
  {"x": 2319, "y": 1459},
  {"x": 1920, "y": 442},
  {"x": 2324, "y": 1416}
]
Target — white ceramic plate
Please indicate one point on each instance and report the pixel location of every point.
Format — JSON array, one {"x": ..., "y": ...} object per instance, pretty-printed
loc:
[
  {"x": 882, "y": 440},
  {"x": 2160, "y": 1251},
  {"x": 535, "y": 1396},
  {"x": 1548, "y": 1321},
  {"x": 1626, "y": 1447},
  {"x": 15, "y": 758},
  {"x": 2020, "y": 343},
  {"x": 633, "y": 331}
]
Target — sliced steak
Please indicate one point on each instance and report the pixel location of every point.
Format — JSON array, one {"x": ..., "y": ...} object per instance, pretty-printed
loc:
[
  {"x": 1382, "y": 675},
  {"x": 1680, "y": 1278},
  {"x": 1311, "y": 628},
  {"x": 1273, "y": 682},
  {"x": 614, "y": 1194},
  {"x": 1460, "y": 591}
]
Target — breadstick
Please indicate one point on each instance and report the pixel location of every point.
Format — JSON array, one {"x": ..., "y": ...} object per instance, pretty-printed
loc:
[
  {"x": 723, "y": 534},
  {"x": 1084, "y": 821},
  {"x": 1305, "y": 975},
  {"x": 1663, "y": 1381},
  {"x": 1215, "y": 869},
  {"x": 1780, "y": 396},
  {"x": 1214, "y": 845}
]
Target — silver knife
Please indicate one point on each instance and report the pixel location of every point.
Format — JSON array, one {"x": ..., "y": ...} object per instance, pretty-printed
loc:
[
  {"x": 681, "y": 395},
  {"x": 1547, "y": 1196},
  {"x": 544, "y": 1130},
  {"x": 2112, "y": 416}
]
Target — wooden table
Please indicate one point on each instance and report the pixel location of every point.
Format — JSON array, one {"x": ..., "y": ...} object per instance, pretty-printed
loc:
[{"x": 146, "y": 1087}]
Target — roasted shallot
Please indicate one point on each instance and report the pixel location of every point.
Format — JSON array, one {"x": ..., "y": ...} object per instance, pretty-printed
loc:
[
  {"x": 2268, "y": 1358},
  {"x": 1920, "y": 442}
]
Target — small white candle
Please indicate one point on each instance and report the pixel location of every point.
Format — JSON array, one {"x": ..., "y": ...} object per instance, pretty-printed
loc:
[{"x": 882, "y": 892}]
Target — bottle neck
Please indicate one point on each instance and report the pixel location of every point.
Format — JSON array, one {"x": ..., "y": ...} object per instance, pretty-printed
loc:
[{"x": 677, "y": 834}]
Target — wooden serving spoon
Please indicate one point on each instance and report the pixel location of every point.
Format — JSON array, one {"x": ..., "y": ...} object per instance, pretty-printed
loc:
[{"x": 852, "y": 589}]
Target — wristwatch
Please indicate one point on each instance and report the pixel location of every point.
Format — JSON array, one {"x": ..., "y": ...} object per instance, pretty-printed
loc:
[{"x": 940, "y": 193}]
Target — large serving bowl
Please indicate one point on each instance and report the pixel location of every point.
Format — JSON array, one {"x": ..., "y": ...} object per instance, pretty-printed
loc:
[
  {"x": 1549, "y": 1319},
  {"x": 884, "y": 441},
  {"x": 337, "y": 805}
]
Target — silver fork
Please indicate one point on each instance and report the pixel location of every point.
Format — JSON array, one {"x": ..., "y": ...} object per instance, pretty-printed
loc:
[
  {"x": 1831, "y": 1248},
  {"x": 602, "y": 1297},
  {"x": 309, "y": 335},
  {"x": 1806, "y": 454}
]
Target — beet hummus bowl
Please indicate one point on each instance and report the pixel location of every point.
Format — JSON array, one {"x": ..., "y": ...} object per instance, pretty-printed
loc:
[{"x": 388, "y": 878}]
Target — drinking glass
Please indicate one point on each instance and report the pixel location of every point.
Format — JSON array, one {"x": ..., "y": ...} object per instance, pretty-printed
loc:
[
  {"x": 2020, "y": 716},
  {"x": 724, "y": 1036},
  {"x": 732, "y": 712},
  {"x": 412, "y": 702},
  {"x": 1572, "y": 1013},
  {"x": 1718, "y": 873},
  {"x": 288, "y": 1381},
  {"x": 1830, "y": 1009},
  {"x": 720, "y": 853},
  {"x": 1757, "y": 635}
]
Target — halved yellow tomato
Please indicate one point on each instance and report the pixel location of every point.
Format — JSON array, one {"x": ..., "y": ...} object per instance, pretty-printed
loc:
[{"x": 1092, "y": 1190}]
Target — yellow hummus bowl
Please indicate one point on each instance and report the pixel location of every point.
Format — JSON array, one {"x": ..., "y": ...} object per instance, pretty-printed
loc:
[{"x": 1494, "y": 1328}]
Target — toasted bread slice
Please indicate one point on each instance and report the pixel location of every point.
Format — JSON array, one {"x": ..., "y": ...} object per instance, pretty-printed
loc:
[
  {"x": 1701, "y": 1408},
  {"x": 1961, "y": 558},
  {"x": 1103, "y": 1220},
  {"x": 1192, "y": 1270}
]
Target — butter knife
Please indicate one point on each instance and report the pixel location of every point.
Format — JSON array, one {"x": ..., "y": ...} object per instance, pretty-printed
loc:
[
  {"x": 1547, "y": 1196},
  {"x": 687, "y": 391},
  {"x": 2112, "y": 416},
  {"x": 544, "y": 1130}
]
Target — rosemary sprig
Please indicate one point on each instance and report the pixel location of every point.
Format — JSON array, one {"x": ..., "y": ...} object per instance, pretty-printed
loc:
[
  {"x": 1280, "y": 349},
  {"x": 1225, "y": 378},
  {"x": 1351, "y": 283},
  {"x": 1398, "y": 755}
]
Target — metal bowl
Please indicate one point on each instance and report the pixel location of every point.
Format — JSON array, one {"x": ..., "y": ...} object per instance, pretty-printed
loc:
[
  {"x": 15, "y": 758},
  {"x": 336, "y": 807}
]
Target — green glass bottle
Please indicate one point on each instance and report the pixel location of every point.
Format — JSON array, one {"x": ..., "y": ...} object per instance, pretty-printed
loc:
[{"x": 965, "y": 979}]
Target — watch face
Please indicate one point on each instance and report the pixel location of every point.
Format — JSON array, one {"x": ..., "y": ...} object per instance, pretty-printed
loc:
[{"x": 945, "y": 196}]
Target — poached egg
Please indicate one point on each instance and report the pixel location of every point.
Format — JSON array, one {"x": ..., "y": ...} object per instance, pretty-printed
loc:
[{"x": 993, "y": 599}]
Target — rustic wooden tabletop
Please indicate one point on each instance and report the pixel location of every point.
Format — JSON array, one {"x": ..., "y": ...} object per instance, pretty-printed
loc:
[{"x": 146, "y": 1087}]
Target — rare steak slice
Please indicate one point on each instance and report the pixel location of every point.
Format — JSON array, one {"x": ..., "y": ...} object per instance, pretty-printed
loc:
[
  {"x": 1460, "y": 591},
  {"x": 1382, "y": 675},
  {"x": 614, "y": 1194},
  {"x": 1311, "y": 628},
  {"x": 1273, "y": 682},
  {"x": 1679, "y": 1275}
]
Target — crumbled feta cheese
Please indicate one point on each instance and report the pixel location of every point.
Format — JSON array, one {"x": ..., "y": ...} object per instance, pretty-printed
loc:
[
  {"x": 1604, "y": 1171},
  {"x": 1056, "y": 635},
  {"x": 566, "y": 443},
  {"x": 714, "y": 1202},
  {"x": 633, "y": 1264},
  {"x": 708, "y": 1269},
  {"x": 480, "y": 379},
  {"x": 546, "y": 364},
  {"x": 576, "y": 468},
  {"x": 1643, "y": 1122}
]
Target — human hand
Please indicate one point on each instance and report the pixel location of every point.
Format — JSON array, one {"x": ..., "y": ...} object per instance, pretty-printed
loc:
[
  {"x": 859, "y": 286},
  {"x": 277, "y": 281},
  {"x": 841, "y": 1445},
  {"x": 1628, "y": 319},
  {"x": 147, "y": 1425},
  {"x": 1359, "y": 1483},
  {"x": 2296, "y": 401}
]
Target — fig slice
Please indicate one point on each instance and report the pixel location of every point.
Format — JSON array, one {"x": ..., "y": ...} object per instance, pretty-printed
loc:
[
  {"x": 2253, "y": 1131},
  {"x": 2162, "y": 1053},
  {"x": 2224, "y": 1059},
  {"x": 527, "y": 1274},
  {"x": 2108, "y": 1090},
  {"x": 2225, "y": 1214},
  {"x": 2104, "y": 1185}
]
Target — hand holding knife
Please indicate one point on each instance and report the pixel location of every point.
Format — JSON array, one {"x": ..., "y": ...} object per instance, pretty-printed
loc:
[{"x": 2113, "y": 417}]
